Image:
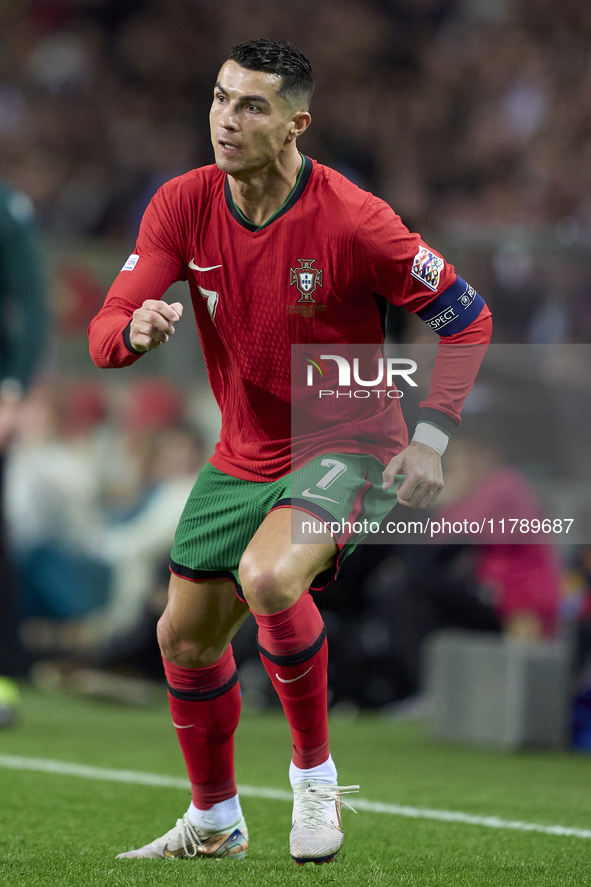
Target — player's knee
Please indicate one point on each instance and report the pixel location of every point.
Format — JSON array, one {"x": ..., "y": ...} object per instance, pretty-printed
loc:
[
  {"x": 171, "y": 643},
  {"x": 265, "y": 588},
  {"x": 185, "y": 651}
]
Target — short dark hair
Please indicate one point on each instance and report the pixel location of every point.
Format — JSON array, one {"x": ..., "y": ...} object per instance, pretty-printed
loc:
[{"x": 278, "y": 57}]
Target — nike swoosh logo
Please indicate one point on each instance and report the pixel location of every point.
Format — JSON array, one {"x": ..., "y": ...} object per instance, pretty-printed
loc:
[
  {"x": 197, "y": 268},
  {"x": 292, "y": 680},
  {"x": 182, "y": 726},
  {"x": 173, "y": 854},
  {"x": 310, "y": 495}
]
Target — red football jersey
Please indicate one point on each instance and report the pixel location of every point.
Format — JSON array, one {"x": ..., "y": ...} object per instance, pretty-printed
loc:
[{"x": 313, "y": 274}]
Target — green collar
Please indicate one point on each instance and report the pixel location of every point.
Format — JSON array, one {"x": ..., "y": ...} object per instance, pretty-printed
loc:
[{"x": 290, "y": 200}]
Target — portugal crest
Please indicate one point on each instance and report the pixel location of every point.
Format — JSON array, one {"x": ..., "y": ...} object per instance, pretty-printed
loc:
[{"x": 306, "y": 278}]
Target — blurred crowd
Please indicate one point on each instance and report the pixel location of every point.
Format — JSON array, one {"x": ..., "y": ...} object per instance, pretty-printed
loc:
[
  {"x": 95, "y": 485},
  {"x": 475, "y": 110},
  {"x": 463, "y": 114}
]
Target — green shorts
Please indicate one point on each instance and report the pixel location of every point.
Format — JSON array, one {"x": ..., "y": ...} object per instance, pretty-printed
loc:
[{"x": 223, "y": 513}]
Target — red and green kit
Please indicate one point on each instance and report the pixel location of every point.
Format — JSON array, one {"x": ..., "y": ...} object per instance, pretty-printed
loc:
[{"x": 321, "y": 271}]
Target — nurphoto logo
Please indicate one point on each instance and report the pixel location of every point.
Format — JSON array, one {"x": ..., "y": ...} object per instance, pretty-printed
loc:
[{"x": 384, "y": 370}]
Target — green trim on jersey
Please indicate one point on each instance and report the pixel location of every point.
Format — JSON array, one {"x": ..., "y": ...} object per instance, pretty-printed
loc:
[
  {"x": 435, "y": 425},
  {"x": 223, "y": 512},
  {"x": 291, "y": 198}
]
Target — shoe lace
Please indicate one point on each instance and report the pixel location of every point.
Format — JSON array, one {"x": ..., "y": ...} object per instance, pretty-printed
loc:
[
  {"x": 189, "y": 836},
  {"x": 316, "y": 796}
]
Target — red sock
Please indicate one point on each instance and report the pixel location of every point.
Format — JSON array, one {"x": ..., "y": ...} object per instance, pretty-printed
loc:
[
  {"x": 205, "y": 708},
  {"x": 294, "y": 651}
]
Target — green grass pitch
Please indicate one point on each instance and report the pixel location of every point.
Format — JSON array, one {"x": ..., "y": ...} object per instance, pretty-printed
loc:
[{"x": 66, "y": 830}]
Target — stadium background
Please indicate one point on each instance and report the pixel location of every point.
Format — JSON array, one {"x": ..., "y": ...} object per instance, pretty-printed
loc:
[
  {"x": 473, "y": 119},
  {"x": 470, "y": 117}
]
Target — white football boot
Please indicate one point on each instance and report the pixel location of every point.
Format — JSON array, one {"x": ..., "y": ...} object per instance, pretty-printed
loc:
[
  {"x": 186, "y": 841},
  {"x": 317, "y": 830}
]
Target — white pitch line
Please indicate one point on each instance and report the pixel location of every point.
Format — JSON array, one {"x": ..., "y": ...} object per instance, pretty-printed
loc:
[{"x": 15, "y": 762}]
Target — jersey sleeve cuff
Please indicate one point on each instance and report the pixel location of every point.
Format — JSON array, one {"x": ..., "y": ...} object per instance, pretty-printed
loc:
[
  {"x": 438, "y": 418},
  {"x": 127, "y": 341}
]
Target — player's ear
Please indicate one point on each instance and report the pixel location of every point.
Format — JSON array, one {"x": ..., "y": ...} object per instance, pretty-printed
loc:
[{"x": 299, "y": 124}]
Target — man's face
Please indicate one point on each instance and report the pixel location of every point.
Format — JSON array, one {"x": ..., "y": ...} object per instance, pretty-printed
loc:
[{"x": 250, "y": 123}]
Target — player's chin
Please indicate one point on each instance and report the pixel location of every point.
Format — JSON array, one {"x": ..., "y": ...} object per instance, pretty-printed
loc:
[{"x": 229, "y": 164}]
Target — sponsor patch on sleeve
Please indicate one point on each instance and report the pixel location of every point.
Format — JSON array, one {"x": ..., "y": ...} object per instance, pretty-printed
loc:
[
  {"x": 454, "y": 309},
  {"x": 131, "y": 263},
  {"x": 427, "y": 268}
]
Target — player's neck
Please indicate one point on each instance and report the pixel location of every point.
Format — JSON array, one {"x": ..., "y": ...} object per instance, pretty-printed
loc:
[{"x": 258, "y": 195}]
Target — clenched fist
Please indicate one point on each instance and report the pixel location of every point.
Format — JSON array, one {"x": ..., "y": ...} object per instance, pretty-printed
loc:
[{"x": 153, "y": 324}]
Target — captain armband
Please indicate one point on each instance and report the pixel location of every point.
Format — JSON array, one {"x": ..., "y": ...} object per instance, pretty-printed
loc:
[{"x": 453, "y": 310}]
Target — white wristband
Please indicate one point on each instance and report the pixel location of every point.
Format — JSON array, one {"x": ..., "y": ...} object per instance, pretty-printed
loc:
[{"x": 432, "y": 436}]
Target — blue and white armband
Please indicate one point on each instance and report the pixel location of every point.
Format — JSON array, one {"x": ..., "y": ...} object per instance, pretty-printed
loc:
[{"x": 453, "y": 310}]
